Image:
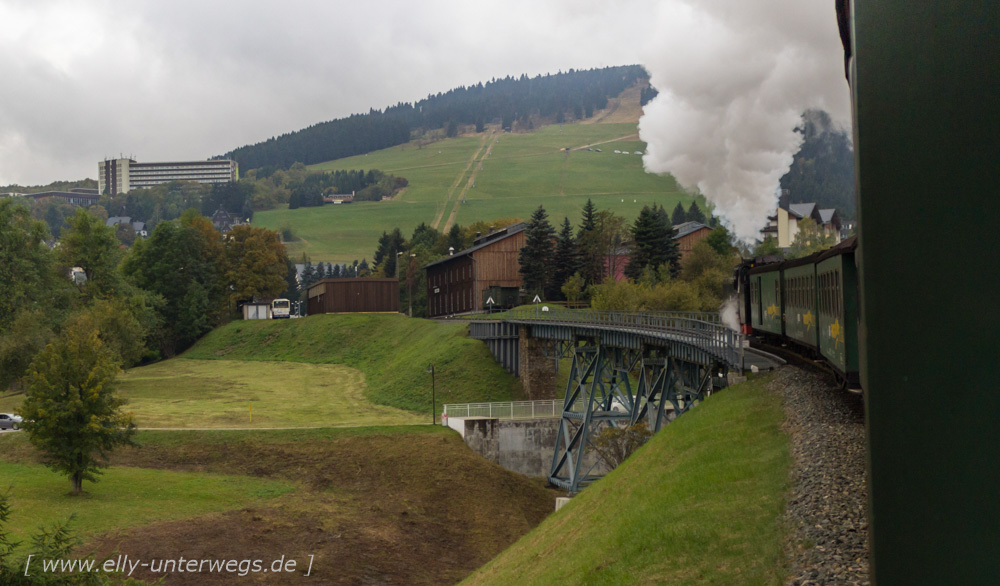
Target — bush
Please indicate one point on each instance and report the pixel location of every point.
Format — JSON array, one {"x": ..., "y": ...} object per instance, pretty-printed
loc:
[{"x": 614, "y": 444}]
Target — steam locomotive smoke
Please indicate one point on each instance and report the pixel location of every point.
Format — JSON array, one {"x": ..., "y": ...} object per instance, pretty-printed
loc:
[{"x": 734, "y": 79}]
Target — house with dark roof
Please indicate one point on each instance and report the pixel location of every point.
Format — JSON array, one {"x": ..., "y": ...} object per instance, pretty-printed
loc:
[
  {"x": 225, "y": 221},
  {"x": 784, "y": 224},
  {"x": 456, "y": 283},
  {"x": 138, "y": 227}
]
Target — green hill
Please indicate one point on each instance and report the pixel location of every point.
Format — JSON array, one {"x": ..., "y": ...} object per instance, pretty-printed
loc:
[
  {"x": 392, "y": 351},
  {"x": 497, "y": 175},
  {"x": 699, "y": 504}
]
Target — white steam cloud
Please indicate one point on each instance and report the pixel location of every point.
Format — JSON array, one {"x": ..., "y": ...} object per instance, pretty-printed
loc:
[{"x": 734, "y": 79}]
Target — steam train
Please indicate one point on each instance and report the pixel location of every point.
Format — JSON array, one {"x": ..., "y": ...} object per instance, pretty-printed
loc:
[{"x": 808, "y": 304}]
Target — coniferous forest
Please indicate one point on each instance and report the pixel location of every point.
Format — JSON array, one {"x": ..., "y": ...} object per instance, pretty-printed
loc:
[{"x": 574, "y": 95}]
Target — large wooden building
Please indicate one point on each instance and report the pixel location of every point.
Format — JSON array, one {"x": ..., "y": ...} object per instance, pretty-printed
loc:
[
  {"x": 688, "y": 234},
  {"x": 354, "y": 296},
  {"x": 456, "y": 284}
]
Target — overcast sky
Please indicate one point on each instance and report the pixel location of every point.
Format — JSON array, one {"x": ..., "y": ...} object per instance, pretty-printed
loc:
[{"x": 88, "y": 79}]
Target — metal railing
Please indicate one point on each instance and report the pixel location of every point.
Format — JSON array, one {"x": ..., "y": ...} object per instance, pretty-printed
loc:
[
  {"x": 552, "y": 408},
  {"x": 700, "y": 329}
]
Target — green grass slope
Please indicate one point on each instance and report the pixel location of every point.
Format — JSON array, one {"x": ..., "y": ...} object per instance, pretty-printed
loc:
[
  {"x": 699, "y": 504},
  {"x": 393, "y": 352},
  {"x": 183, "y": 393},
  {"x": 497, "y": 174},
  {"x": 125, "y": 497}
]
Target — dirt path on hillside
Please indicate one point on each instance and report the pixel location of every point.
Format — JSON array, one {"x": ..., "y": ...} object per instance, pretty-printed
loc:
[
  {"x": 633, "y": 135},
  {"x": 624, "y": 109},
  {"x": 471, "y": 182},
  {"x": 458, "y": 181}
]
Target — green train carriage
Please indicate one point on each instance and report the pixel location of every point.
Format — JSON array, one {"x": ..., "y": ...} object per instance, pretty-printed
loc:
[
  {"x": 799, "y": 294},
  {"x": 837, "y": 303},
  {"x": 766, "y": 299}
]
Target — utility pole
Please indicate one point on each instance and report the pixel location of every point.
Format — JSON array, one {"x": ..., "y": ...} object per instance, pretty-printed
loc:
[{"x": 430, "y": 369}]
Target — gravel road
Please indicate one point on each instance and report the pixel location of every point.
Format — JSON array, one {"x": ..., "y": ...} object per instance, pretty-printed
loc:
[{"x": 827, "y": 506}]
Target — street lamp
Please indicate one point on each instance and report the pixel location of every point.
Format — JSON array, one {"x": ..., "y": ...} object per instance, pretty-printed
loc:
[
  {"x": 430, "y": 371},
  {"x": 409, "y": 284}
]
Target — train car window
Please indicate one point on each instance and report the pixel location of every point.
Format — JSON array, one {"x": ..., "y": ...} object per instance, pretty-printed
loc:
[
  {"x": 822, "y": 294},
  {"x": 840, "y": 307}
]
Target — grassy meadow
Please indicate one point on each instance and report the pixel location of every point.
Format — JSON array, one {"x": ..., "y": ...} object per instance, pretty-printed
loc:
[
  {"x": 124, "y": 497},
  {"x": 496, "y": 174},
  {"x": 186, "y": 393}
]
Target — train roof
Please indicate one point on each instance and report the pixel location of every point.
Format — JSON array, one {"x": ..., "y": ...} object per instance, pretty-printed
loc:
[{"x": 846, "y": 246}]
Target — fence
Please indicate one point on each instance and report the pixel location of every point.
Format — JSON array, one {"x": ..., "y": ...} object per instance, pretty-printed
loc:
[{"x": 552, "y": 408}]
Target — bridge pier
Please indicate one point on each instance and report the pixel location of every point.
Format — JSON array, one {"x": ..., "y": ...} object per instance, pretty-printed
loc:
[{"x": 537, "y": 369}]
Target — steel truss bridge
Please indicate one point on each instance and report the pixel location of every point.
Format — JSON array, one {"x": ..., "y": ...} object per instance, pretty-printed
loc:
[{"x": 627, "y": 368}]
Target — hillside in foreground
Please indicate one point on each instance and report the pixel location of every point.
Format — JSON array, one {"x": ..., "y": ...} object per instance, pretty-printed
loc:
[
  {"x": 389, "y": 505},
  {"x": 700, "y": 503}
]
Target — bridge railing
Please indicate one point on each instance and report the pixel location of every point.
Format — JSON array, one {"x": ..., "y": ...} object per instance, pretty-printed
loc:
[
  {"x": 701, "y": 329},
  {"x": 508, "y": 410},
  {"x": 542, "y": 311}
]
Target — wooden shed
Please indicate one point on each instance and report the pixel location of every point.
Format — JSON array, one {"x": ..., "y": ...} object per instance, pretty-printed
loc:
[
  {"x": 455, "y": 284},
  {"x": 354, "y": 296}
]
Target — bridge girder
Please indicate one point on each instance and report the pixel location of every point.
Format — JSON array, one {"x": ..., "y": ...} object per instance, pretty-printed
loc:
[{"x": 600, "y": 393}]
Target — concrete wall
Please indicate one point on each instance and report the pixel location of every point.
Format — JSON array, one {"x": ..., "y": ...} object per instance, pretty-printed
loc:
[
  {"x": 523, "y": 446},
  {"x": 482, "y": 435}
]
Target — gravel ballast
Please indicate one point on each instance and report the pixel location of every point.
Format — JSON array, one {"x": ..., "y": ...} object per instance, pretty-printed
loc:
[{"x": 827, "y": 511}]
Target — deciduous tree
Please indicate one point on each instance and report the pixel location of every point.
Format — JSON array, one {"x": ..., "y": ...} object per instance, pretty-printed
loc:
[
  {"x": 184, "y": 262},
  {"x": 87, "y": 243},
  {"x": 71, "y": 413},
  {"x": 257, "y": 263}
]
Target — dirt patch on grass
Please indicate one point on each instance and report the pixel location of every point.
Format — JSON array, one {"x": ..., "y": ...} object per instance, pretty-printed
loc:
[{"x": 415, "y": 508}]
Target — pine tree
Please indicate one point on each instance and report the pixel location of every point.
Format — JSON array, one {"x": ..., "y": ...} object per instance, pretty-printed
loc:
[
  {"x": 694, "y": 214},
  {"x": 535, "y": 257},
  {"x": 382, "y": 250},
  {"x": 679, "y": 216},
  {"x": 308, "y": 275},
  {"x": 591, "y": 252},
  {"x": 336, "y": 271},
  {"x": 589, "y": 211},
  {"x": 654, "y": 245},
  {"x": 567, "y": 260},
  {"x": 455, "y": 238}
]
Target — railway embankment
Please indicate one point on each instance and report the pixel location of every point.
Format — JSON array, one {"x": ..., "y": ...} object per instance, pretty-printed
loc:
[{"x": 826, "y": 516}]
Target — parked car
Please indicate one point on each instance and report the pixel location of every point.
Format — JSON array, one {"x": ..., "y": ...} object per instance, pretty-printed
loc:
[{"x": 10, "y": 421}]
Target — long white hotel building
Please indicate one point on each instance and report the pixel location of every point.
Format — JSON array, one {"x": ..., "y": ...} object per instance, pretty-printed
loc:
[{"x": 123, "y": 175}]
